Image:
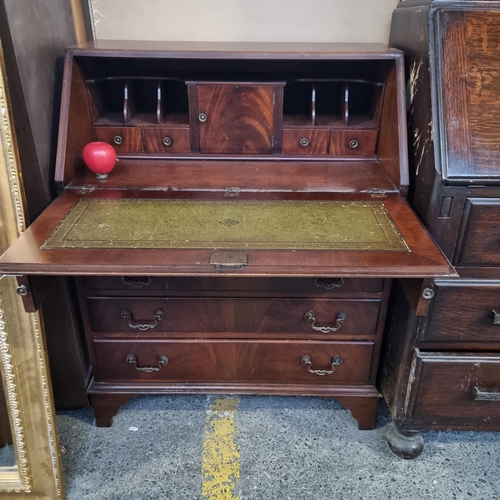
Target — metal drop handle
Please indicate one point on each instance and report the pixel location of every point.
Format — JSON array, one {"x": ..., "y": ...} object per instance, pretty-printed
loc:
[
  {"x": 311, "y": 317},
  {"x": 483, "y": 395},
  {"x": 329, "y": 283},
  {"x": 162, "y": 360},
  {"x": 136, "y": 281},
  {"x": 118, "y": 139},
  {"x": 495, "y": 317},
  {"x": 126, "y": 314},
  {"x": 306, "y": 360}
]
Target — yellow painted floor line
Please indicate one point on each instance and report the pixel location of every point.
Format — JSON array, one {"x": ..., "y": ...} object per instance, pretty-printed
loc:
[{"x": 221, "y": 455}]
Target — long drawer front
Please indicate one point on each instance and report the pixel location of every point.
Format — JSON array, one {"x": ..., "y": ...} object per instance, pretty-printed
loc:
[
  {"x": 184, "y": 361},
  {"x": 464, "y": 312},
  {"x": 456, "y": 387},
  {"x": 219, "y": 315},
  {"x": 175, "y": 284}
]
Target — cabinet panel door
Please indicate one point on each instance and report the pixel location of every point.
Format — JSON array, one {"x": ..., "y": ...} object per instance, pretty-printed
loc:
[
  {"x": 470, "y": 90},
  {"x": 239, "y": 118}
]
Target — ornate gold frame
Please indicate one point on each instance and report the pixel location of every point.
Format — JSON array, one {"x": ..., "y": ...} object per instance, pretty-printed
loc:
[{"x": 23, "y": 360}]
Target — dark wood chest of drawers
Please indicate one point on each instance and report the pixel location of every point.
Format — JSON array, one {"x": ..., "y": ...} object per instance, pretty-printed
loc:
[
  {"x": 448, "y": 374},
  {"x": 247, "y": 238}
]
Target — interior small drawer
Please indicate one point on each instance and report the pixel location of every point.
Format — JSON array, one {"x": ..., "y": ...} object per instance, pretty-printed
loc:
[
  {"x": 235, "y": 361},
  {"x": 173, "y": 284},
  {"x": 123, "y": 139},
  {"x": 464, "y": 311},
  {"x": 152, "y": 315},
  {"x": 305, "y": 141},
  {"x": 479, "y": 243},
  {"x": 458, "y": 387},
  {"x": 173, "y": 140},
  {"x": 353, "y": 142}
]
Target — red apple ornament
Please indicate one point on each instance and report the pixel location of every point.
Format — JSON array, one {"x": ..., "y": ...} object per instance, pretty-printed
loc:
[{"x": 100, "y": 157}]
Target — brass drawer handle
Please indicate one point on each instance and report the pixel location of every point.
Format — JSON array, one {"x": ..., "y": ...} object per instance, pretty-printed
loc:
[
  {"x": 495, "y": 317},
  {"x": 162, "y": 360},
  {"x": 118, "y": 139},
  {"x": 306, "y": 360},
  {"x": 329, "y": 283},
  {"x": 482, "y": 395},
  {"x": 311, "y": 317},
  {"x": 139, "y": 325},
  {"x": 136, "y": 281}
]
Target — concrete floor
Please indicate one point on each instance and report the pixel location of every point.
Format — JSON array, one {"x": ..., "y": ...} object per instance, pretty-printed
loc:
[{"x": 289, "y": 447}]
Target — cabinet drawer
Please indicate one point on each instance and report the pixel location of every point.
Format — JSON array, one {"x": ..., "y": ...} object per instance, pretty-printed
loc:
[
  {"x": 355, "y": 142},
  {"x": 447, "y": 385},
  {"x": 305, "y": 141},
  {"x": 167, "y": 140},
  {"x": 235, "y": 361},
  {"x": 464, "y": 314},
  {"x": 123, "y": 139},
  {"x": 219, "y": 315},
  {"x": 313, "y": 286},
  {"x": 480, "y": 239}
]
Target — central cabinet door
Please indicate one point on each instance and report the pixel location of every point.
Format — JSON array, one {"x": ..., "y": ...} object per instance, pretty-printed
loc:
[{"x": 235, "y": 118}]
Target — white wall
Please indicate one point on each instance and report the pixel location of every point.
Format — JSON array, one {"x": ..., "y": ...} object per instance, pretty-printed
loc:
[{"x": 243, "y": 20}]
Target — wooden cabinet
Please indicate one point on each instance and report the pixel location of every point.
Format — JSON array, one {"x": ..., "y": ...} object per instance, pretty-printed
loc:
[
  {"x": 432, "y": 378},
  {"x": 247, "y": 238}
]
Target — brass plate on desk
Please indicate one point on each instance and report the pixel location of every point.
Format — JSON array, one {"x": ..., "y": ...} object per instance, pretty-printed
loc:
[{"x": 256, "y": 225}]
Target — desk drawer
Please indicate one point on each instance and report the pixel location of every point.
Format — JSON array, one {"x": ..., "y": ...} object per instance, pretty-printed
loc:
[
  {"x": 446, "y": 385},
  {"x": 353, "y": 142},
  {"x": 123, "y": 139},
  {"x": 305, "y": 141},
  {"x": 480, "y": 239},
  {"x": 464, "y": 311},
  {"x": 151, "y": 315},
  {"x": 235, "y": 361},
  {"x": 309, "y": 286},
  {"x": 173, "y": 140}
]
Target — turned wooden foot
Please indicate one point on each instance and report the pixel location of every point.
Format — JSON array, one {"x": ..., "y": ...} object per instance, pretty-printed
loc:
[
  {"x": 106, "y": 406},
  {"x": 364, "y": 410},
  {"x": 405, "y": 444}
]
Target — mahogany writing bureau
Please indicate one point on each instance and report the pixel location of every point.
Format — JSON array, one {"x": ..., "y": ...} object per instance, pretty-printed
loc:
[{"x": 246, "y": 240}]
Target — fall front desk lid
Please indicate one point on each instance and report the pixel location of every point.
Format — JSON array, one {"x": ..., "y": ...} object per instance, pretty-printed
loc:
[{"x": 85, "y": 234}]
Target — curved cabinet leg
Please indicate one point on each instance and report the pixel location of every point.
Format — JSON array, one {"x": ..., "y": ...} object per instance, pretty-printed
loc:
[
  {"x": 405, "y": 444},
  {"x": 363, "y": 409},
  {"x": 106, "y": 406}
]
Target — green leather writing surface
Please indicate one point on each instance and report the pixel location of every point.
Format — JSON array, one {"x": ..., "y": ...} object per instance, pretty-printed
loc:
[{"x": 280, "y": 225}]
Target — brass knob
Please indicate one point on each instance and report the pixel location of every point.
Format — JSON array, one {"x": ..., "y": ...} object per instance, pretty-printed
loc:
[
  {"x": 353, "y": 143},
  {"x": 202, "y": 117},
  {"x": 167, "y": 141},
  {"x": 118, "y": 139},
  {"x": 427, "y": 293},
  {"x": 304, "y": 142}
]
